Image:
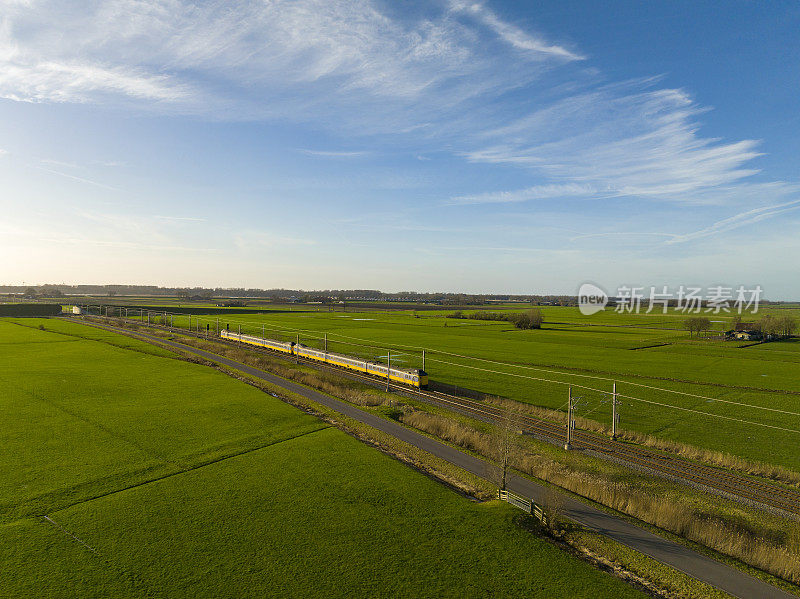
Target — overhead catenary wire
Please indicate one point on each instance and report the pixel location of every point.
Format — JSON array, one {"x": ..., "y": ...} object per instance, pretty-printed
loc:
[
  {"x": 742, "y": 420},
  {"x": 572, "y": 374},
  {"x": 311, "y": 333},
  {"x": 631, "y": 397}
]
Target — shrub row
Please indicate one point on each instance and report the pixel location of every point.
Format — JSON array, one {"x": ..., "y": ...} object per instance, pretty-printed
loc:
[{"x": 530, "y": 319}]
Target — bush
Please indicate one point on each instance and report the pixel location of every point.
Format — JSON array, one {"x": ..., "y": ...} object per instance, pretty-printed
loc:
[{"x": 531, "y": 319}]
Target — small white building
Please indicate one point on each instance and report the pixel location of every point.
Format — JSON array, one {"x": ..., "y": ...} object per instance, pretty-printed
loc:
[{"x": 77, "y": 310}]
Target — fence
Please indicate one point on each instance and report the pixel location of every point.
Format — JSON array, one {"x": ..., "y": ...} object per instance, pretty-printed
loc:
[{"x": 526, "y": 505}]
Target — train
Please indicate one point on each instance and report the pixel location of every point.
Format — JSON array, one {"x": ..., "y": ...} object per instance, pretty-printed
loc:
[{"x": 413, "y": 377}]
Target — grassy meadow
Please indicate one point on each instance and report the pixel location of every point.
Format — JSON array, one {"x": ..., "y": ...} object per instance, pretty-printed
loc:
[
  {"x": 129, "y": 473},
  {"x": 735, "y": 397}
]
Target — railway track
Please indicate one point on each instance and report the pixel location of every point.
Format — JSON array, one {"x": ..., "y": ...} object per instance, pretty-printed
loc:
[
  {"x": 731, "y": 484},
  {"x": 736, "y": 486}
]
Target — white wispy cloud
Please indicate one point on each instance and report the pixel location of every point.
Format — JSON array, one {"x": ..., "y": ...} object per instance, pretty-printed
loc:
[
  {"x": 629, "y": 139},
  {"x": 129, "y": 245},
  {"x": 537, "y": 192},
  {"x": 59, "y": 163},
  {"x": 630, "y": 235},
  {"x": 511, "y": 34},
  {"x": 76, "y": 178},
  {"x": 253, "y": 239},
  {"x": 356, "y": 67},
  {"x": 180, "y": 218},
  {"x": 92, "y": 228},
  {"x": 237, "y": 58},
  {"x": 743, "y": 219},
  {"x": 65, "y": 82},
  {"x": 334, "y": 154}
]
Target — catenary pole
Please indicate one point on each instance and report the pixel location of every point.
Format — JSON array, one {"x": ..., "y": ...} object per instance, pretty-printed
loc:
[
  {"x": 568, "y": 444},
  {"x": 388, "y": 367},
  {"x": 614, "y": 414}
]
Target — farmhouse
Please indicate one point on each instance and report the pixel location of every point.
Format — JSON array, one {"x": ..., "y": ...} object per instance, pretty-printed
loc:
[
  {"x": 745, "y": 331},
  {"x": 748, "y": 335}
]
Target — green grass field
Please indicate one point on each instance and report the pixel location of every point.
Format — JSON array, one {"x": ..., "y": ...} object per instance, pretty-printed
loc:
[
  {"x": 731, "y": 380},
  {"x": 162, "y": 478}
]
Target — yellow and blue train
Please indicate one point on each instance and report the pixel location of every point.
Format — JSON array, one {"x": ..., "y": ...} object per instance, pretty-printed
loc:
[{"x": 413, "y": 377}]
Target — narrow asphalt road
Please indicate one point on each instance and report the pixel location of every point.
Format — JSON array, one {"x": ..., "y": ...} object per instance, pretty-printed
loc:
[{"x": 665, "y": 551}]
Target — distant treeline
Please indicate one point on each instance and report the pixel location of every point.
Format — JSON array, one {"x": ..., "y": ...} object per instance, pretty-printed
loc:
[
  {"x": 324, "y": 296},
  {"x": 286, "y": 295},
  {"x": 134, "y": 309},
  {"x": 530, "y": 319},
  {"x": 30, "y": 309}
]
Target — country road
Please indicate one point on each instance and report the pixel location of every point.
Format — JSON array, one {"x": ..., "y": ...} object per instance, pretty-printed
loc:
[{"x": 701, "y": 567}]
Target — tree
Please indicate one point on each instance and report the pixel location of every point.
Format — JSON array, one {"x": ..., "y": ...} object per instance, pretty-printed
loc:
[
  {"x": 788, "y": 325},
  {"x": 505, "y": 440},
  {"x": 690, "y": 325},
  {"x": 30, "y": 292},
  {"x": 697, "y": 324},
  {"x": 704, "y": 324},
  {"x": 778, "y": 326},
  {"x": 769, "y": 325}
]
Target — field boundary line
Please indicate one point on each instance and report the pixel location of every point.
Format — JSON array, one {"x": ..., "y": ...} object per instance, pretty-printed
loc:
[
  {"x": 133, "y": 578},
  {"x": 79, "y": 338},
  {"x": 192, "y": 468},
  {"x": 151, "y": 454},
  {"x": 81, "y": 541}
]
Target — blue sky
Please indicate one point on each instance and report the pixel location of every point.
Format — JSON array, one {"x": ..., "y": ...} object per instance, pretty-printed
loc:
[{"x": 444, "y": 145}]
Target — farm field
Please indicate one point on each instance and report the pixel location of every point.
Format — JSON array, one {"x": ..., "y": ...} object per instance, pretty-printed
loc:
[
  {"x": 165, "y": 478},
  {"x": 734, "y": 397}
]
